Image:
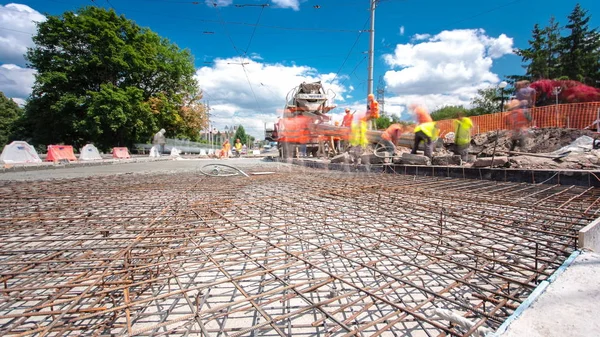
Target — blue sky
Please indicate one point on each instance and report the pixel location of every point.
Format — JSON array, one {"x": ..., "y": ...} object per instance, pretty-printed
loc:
[{"x": 289, "y": 41}]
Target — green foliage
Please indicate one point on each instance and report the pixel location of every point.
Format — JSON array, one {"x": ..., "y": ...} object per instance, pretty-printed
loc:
[
  {"x": 449, "y": 112},
  {"x": 10, "y": 112},
  {"x": 245, "y": 138},
  {"x": 580, "y": 50},
  {"x": 102, "y": 78},
  {"x": 383, "y": 122},
  {"x": 486, "y": 101},
  {"x": 575, "y": 55}
]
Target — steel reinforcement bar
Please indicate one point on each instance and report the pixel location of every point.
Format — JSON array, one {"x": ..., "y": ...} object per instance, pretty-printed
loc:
[{"x": 298, "y": 252}]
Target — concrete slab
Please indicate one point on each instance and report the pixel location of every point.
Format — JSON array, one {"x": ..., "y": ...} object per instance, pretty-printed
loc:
[
  {"x": 589, "y": 236},
  {"x": 568, "y": 307}
]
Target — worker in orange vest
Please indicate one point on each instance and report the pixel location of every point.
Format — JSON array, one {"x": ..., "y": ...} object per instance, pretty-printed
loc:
[
  {"x": 372, "y": 112},
  {"x": 517, "y": 121},
  {"x": 347, "y": 121},
  {"x": 421, "y": 114},
  {"x": 390, "y": 137}
]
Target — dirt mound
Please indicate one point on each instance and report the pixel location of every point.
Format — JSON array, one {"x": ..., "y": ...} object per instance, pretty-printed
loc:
[{"x": 538, "y": 140}]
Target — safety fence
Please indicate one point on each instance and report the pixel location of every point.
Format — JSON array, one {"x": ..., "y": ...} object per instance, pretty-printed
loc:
[{"x": 575, "y": 115}]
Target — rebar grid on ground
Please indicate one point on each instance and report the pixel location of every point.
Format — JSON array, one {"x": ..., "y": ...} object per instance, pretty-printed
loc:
[{"x": 302, "y": 253}]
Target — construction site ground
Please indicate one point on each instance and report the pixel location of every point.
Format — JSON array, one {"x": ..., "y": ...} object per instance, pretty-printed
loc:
[{"x": 159, "y": 249}]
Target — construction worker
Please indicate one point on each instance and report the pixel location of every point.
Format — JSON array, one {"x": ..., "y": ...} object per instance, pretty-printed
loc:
[
  {"x": 238, "y": 147},
  {"x": 390, "y": 137},
  {"x": 421, "y": 113},
  {"x": 358, "y": 137},
  {"x": 462, "y": 136},
  {"x": 335, "y": 141},
  {"x": 427, "y": 133},
  {"x": 347, "y": 121},
  {"x": 225, "y": 150},
  {"x": 517, "y": 120},
  {"x": 372, "y": 112}
]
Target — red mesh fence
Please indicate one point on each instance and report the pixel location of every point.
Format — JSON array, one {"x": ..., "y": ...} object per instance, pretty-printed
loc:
[{"x": 576, "y": 115}]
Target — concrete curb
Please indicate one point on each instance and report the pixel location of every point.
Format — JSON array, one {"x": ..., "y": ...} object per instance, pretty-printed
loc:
[
  {"x": 589, "y": 236},
  {"x": 587, "y": 178},
  {"x": 539, "y": 290}
]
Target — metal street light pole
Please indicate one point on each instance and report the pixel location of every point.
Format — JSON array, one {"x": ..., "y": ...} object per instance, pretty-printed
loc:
[{"x": 371, "y": 47}]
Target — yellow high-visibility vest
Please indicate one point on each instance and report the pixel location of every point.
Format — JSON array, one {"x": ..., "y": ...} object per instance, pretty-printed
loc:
[
  {"x": 429, "y": 129},
  {"x": 462, "y": 131},
  {"x": 358, "y": 134}
]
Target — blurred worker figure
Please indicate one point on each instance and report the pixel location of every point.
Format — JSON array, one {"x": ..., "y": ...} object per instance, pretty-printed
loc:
[
  {"x": 372, "y": 112},
  {"x": 225, "y": 150},
  {"x": 526, "y": 95},
  {"x": 421, "y": 113},
  {"x": 358, "y": 137},
  {"x": 160, "y": 140},
  {"x": 462, "y": 136},
  {"x": 427, "y": 133},
  {"x": 347, "y": 121},
  {"x": 238, "y": 147},
  {"x": 517, "y": 120},
  {"x": 390, "y": 137},
  {"x": 335, "y": 141}
]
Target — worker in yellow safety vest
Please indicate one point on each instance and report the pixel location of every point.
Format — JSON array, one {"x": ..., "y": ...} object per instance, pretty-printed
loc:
[
  {"x": 462, "y": 136},
  {"x": 427, "y": 133},
  {"x": 358, "y": 133}
]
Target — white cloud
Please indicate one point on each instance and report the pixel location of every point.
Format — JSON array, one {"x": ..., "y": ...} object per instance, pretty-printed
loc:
[
  {"x": 293, "y": 4},
  {"x": 18, "y": 22},
  {"x": 220, "y": 3},
  {"x": 16, "y": 82},
  {"x": 445, "y": 69},
  {"x": 231, "y": 98},
  {"x": 401, "y": 30}
]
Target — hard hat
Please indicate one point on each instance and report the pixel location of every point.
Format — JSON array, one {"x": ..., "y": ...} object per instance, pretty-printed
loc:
[
  {"x": 371, "y": 96},
  {"x": 347, "y": 109},
  {"x": 337, "y": 123}
]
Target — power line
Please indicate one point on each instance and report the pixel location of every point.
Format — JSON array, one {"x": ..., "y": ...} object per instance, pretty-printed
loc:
[
  {"x": 351, "y": 49},
  {"x": 240, "y": 54}
]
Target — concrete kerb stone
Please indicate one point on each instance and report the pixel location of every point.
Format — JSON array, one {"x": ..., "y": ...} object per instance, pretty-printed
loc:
[
  {"x": 589, "y": 237},
  {"x": 52, "y": 166}
]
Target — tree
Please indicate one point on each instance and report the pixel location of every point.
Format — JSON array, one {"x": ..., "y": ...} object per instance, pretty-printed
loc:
[
  {"x": 580, "y": 50},
  {"x": 241, "y": 134},
  {"x": 449, "y": 112},
  {"x": 10, "y": 112},
  {"x": 536, "y": 54},
  {"x": 383, "y": 122},
  {"x": 486, "y": 102},
  {"x": 102, "y": 78}
]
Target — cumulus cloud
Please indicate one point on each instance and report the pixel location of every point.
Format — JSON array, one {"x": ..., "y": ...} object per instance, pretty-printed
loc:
[
  {"x": 233, "y": 93},
  {"x": 16, "y": 82},
  {"x": 444, "y": 69},
  {"x": 18, "y": 22}
]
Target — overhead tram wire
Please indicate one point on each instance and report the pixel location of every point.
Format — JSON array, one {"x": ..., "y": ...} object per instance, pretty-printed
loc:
[
  {"x": 351, "y": 49},
  {"x": 240, "y": 54}
]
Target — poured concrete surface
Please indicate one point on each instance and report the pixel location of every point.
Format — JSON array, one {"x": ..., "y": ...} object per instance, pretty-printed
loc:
[{"x": 570, "y": 306}]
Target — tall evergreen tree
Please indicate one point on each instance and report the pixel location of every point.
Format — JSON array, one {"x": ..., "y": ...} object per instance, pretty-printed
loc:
[
  {"x": 580, "y": 50},
  {"x": 536, "y": 55},
  {"x": 552, "y": 33}
]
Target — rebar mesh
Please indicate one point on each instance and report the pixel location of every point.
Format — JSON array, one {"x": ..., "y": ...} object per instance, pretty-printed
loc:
[{"x": 296, "y": 253}]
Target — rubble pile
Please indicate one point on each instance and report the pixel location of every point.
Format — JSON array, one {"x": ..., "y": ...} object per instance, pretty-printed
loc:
[
  {"x": 542, "y": 140},
  {"x": 548, "y": 141}
]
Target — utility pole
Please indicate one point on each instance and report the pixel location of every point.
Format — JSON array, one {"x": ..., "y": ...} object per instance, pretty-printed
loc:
[
  {"x": 381, "y": 94},
  {"x": 371, "y": 47}
]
